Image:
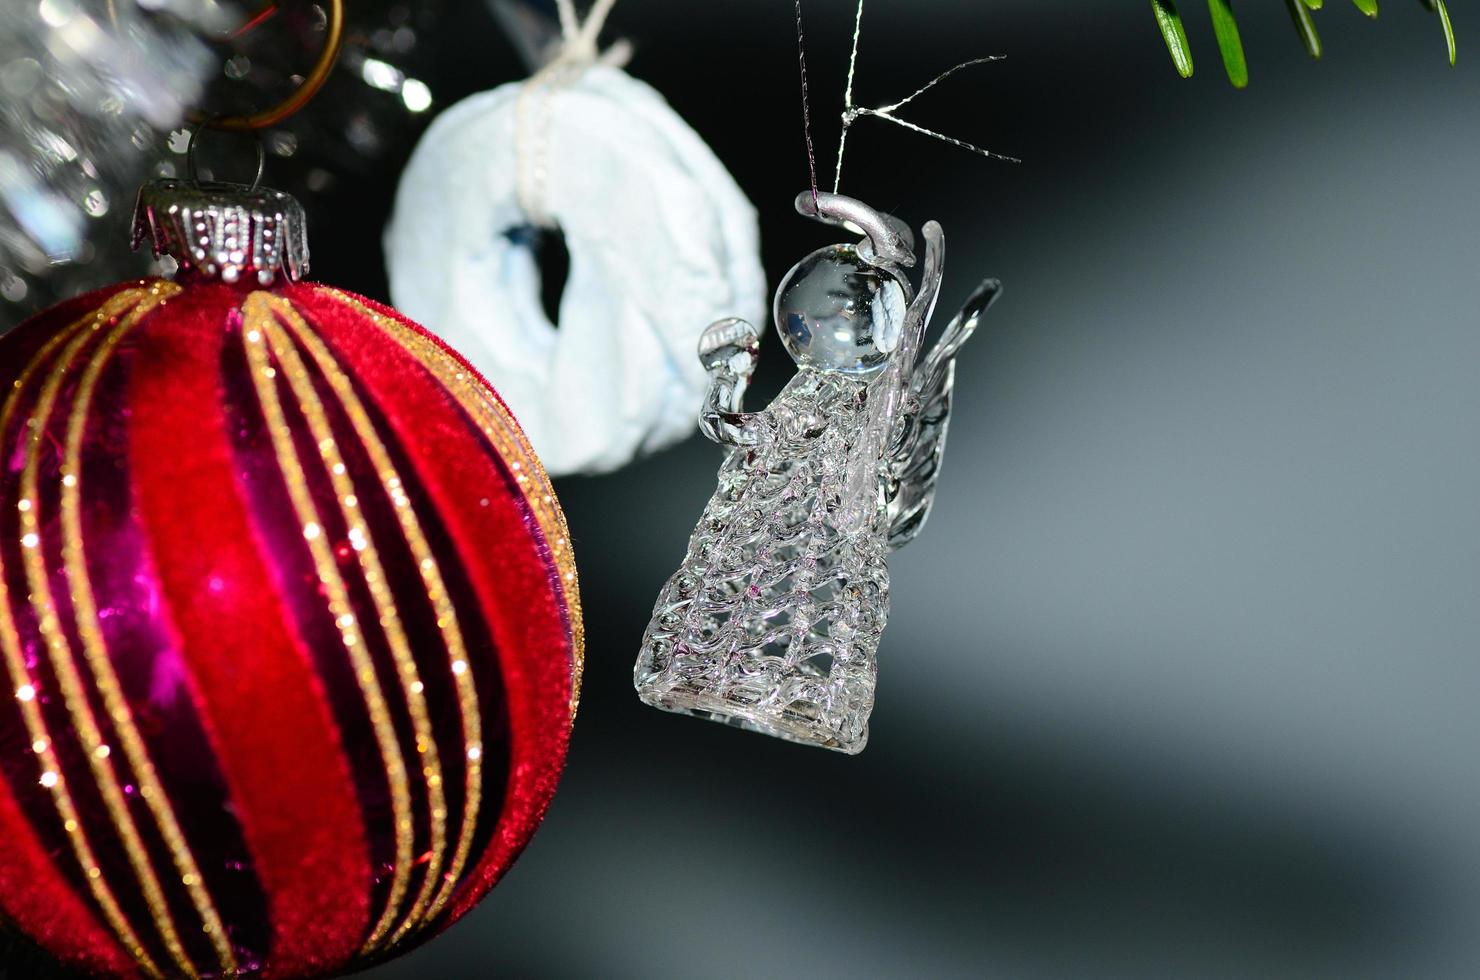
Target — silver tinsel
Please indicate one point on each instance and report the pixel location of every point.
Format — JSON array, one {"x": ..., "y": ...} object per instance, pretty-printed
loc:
[
  {"x": 86, "y": 88},
  {"x": 90, "y": 107}
]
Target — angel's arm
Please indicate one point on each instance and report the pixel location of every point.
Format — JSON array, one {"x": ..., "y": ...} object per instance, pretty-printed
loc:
[{"x": 728, "y": 350}]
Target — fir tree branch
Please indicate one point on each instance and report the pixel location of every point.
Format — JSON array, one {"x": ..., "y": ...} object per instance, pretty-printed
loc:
[{"x": 1230, "y": 45}]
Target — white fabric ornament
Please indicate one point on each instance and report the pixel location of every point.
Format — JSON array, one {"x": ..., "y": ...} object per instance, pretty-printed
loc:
[{"x": 661, "y": 242}]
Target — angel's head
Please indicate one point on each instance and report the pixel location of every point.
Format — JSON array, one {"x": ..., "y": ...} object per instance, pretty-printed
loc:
[{"x": 836, "y": 312}]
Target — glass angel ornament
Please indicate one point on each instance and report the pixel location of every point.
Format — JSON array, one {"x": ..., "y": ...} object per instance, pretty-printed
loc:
[{"x": 773, "y": 621}]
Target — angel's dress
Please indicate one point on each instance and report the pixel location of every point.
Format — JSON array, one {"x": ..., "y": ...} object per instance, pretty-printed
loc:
[{"x": 773, "y": 621}]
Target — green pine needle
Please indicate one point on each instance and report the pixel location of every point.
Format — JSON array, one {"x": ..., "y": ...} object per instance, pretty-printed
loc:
[
  {"x": 1368, "y": 7},
  {"x": 1225, "y": 28},
  {"x": 1305, "y": 26},
  {"x": 1448, "y": 29},
  {"x": 1175, "y": 34}
]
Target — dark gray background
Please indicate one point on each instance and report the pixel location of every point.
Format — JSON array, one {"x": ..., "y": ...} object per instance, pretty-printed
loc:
[{"x": 1181, "y": 680}]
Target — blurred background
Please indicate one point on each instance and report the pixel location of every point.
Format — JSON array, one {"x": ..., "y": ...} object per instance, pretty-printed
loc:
[{"x": 1180, "y": 681}]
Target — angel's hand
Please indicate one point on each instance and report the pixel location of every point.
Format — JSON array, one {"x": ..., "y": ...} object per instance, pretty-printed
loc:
[
  {"x": 728, "y": 350},
  {"x": 730, "y": 347}
]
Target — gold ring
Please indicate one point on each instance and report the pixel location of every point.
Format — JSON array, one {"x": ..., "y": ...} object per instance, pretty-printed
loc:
[{"x": 299, "y": 97}]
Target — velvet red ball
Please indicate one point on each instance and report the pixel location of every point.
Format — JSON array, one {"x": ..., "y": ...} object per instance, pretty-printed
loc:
[{"x": 290, "y": 631}]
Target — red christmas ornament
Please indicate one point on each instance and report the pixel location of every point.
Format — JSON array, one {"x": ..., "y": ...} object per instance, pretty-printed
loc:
[{"x": 288, "y": 616}]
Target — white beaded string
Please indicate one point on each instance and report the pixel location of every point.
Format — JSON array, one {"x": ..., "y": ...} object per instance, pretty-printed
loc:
[{"x": 578, "y": 51}]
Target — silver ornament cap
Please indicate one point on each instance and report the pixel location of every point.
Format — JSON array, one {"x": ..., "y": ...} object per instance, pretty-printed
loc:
[{"x": 224, "y": 231}]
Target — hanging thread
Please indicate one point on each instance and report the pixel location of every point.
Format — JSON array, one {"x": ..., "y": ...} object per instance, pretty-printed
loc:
[
  {"x": 806, "y": 104},
  {"x": 852, "y": 113},
  {"x": 848, "y": 97}
]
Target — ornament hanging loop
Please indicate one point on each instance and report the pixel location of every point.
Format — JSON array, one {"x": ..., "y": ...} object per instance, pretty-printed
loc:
[
  {"x": 193, "y": 171},
  {"x": 313, "y": 80},
  {"x": 890, "y": 240}
]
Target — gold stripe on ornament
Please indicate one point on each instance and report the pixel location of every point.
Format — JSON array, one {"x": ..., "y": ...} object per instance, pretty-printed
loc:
[
  {"x": 495, "y": 422},
  {"x": 442, "y": 605},
  {"x": 63, "y": 659},
  {"x": 368, "y": 556},
  {"x": 257, "y": 322},
  {"x": 95, "y": 651},
  {"x": 27, "y": 690}
]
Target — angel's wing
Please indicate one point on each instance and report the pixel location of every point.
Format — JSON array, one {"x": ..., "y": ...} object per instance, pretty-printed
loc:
[{"x": 921, "y": 441}]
